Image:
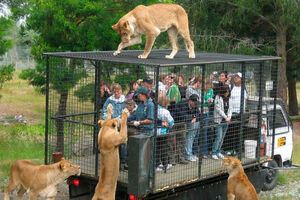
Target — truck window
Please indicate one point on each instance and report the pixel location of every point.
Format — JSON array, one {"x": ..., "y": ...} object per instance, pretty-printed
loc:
[{"x": 279, "y": 119}]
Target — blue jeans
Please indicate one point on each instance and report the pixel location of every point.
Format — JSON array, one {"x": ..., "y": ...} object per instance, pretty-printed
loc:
[
  {"x": 203, "y": 138},
  {"x": 189, "y": 139},
  {"x": 220, "y": 134}
]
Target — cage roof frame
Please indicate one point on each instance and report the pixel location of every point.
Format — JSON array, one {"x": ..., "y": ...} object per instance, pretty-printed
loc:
[{"x": 157, "y": 57}]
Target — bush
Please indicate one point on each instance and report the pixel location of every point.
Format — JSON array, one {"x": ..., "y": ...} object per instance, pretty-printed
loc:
[{"x": 6, "y": 73}]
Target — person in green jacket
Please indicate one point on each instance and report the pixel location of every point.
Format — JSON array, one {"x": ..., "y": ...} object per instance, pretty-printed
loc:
[{"x": 173, "y": 91}]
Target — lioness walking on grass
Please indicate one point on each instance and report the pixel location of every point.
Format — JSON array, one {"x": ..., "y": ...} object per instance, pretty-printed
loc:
[{"x": 39, "y": 180}]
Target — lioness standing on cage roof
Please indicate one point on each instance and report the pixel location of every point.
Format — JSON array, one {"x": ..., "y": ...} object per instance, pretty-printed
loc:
[
  {"x": 151, "y": 21},
  {"x": 109, "y": 140}
]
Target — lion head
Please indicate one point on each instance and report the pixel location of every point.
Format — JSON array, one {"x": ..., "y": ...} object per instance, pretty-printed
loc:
[
  {"x": 69, "y": 168},
  {"x": 231, "y": 163},
  {"x": 124, "y": 30}
]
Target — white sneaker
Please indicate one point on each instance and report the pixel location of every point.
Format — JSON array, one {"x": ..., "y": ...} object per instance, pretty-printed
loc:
[
  {"x": 220, "y": 155},
  {"x": 192, "y": 159},
  {"x": 215, "y": 157},
  {"x": 169, "y": 166},
  {"x": 158, "y": 169}
]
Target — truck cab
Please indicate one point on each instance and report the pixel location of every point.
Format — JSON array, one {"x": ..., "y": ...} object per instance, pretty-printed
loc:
[{"x": 280, "y": 154}]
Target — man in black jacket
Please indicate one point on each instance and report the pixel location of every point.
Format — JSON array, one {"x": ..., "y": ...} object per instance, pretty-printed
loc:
[{"x": 188, "y": 112}]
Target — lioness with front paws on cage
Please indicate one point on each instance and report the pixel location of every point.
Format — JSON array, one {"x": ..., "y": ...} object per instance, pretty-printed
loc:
[{"x": 109, "y": 140}]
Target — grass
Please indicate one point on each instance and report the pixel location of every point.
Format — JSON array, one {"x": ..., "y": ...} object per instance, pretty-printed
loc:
[
  {"x": 17, "y": 140},
  {"x": 18, "y": 97}
]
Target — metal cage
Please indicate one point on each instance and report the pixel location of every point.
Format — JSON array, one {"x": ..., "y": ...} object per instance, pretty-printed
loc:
[{"x": 74, "y": 106}]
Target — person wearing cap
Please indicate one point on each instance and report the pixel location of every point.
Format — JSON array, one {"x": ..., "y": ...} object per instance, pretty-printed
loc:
[
  {"x": 231, "y": 140},
  {"x": 116, "y": 100},
  {"x": 222, "y": 117},
  {"x": 236, "y": 94},
  {"x": 147, "y": 82},
  {"x": 188, "y": 111},
  {"x": 144, "y": 118},
  {"x": 144, "y": 114}
]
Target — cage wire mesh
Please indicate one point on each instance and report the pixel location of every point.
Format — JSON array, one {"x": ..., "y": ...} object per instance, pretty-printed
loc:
[{"x": 189, "y": 136}]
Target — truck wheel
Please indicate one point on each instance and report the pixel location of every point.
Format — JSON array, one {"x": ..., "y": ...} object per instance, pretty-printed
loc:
[{"x": 271, "y": 177}]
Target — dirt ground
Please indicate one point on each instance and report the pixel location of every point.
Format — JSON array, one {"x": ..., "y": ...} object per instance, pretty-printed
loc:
[{"x": 63, "y": 192}]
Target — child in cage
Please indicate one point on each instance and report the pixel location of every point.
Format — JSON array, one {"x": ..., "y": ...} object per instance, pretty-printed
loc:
[{"x": 164, "y": 143}]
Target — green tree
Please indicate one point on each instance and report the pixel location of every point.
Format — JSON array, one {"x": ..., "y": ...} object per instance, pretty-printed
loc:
[
  {"x": 6, "y": 71},
  {"x": 69, "y": 25},
  {"x": 5, "y": 44},
  {"x": 271, "y": 26}
]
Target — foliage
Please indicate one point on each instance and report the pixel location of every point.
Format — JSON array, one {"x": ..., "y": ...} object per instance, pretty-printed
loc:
[
  {"x": 5, "y": 44},
  {"x": 6, "y": 73},
  {"x": 263, "y": 27}
]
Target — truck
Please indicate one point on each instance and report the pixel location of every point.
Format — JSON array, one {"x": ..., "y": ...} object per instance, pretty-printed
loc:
[{"x": 260, "y": 134}]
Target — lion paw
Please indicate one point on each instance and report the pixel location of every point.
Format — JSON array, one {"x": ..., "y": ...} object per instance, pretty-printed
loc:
[
  {"x": 125, "y": 113},
  {"x": 169, "y": 57},
  {"x": 192, "y": 55},
  {"x": 109, "y": 109},
  {"x": 116, "y": 53},
  {"x": 142, "y": 56}
]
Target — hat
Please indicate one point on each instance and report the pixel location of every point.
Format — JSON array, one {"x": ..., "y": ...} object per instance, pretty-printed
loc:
[
  {"x": 194, "y": 98},
  {"x": 141, "y": 90},
  {"x": 148, "y": 80},
  {"x": 238, "y": 74}
]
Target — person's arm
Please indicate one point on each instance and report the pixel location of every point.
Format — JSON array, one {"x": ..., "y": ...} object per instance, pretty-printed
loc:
[
  {"x": 104, "y": 110},
  {"x": 218, "y": 107},
  {"x": 149, "y": 114},
  {"x": 229, "y": 112}
]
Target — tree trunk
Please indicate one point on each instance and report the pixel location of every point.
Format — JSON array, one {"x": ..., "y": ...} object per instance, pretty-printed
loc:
[
  {"x": 281, "y": 51},
  {"x": 293, "y": 103},
  {"x": 60, "y": 122}
]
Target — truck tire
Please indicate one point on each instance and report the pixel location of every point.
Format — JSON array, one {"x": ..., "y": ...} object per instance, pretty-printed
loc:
[{"x": 271, "y": 177}]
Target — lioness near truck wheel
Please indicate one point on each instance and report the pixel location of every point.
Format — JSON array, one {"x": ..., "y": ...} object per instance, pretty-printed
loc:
[
  {"x": 109, "y": 140},
  {"x": 238, "y": 186},
  {"x": 39, "y": 180},
  {"x": 151, "y": 21}
]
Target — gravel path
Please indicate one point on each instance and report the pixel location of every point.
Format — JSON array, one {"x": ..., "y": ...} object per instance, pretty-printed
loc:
[
  {"x": 289, "y": 191},
  {"x": 63, "y": 193}
]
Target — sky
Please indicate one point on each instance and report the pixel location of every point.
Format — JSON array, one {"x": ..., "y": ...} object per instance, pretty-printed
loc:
[{"x": 4, "y": 10}]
